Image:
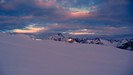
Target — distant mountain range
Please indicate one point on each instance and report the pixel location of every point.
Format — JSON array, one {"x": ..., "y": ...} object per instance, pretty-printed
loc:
[{"x": 126, "y": 44}]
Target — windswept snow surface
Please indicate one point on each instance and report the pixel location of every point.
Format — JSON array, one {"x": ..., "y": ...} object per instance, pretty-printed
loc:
[{"x": 20, "y": 55}]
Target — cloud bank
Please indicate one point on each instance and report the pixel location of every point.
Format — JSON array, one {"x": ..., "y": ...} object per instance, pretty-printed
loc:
[{"x": 73, "y": 15}]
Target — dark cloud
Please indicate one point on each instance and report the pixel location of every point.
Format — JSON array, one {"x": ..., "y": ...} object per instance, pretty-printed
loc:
[{"x": 115, "y": 10}]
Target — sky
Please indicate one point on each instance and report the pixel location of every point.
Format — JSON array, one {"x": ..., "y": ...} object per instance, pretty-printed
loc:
[{"x": 73, "y": 17}]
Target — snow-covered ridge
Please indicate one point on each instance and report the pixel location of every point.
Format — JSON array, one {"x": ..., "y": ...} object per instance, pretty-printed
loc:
[{"x": 20, "y": 55}]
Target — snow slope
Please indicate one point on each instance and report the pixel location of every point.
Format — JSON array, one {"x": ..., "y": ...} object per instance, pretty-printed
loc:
[{"x": 19, "y": 55}]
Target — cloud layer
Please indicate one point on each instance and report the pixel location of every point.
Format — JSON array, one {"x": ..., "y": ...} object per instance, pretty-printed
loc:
[{"x": 66, "y": 14}]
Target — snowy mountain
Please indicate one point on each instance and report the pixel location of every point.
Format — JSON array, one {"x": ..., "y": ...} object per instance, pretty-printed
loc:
[
  {"x": 58, "y": 37},
  {"x": 20, "y": 55},
  {"x": 126, "y": 44}
]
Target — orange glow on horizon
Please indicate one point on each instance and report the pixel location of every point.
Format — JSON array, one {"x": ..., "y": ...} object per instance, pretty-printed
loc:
[
  {"x": 30, "y": 29},
  {"x": 81, "y": 33}
]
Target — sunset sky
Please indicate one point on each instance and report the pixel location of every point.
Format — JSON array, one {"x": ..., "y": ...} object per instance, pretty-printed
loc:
[{"x": 74, "y": 17}]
